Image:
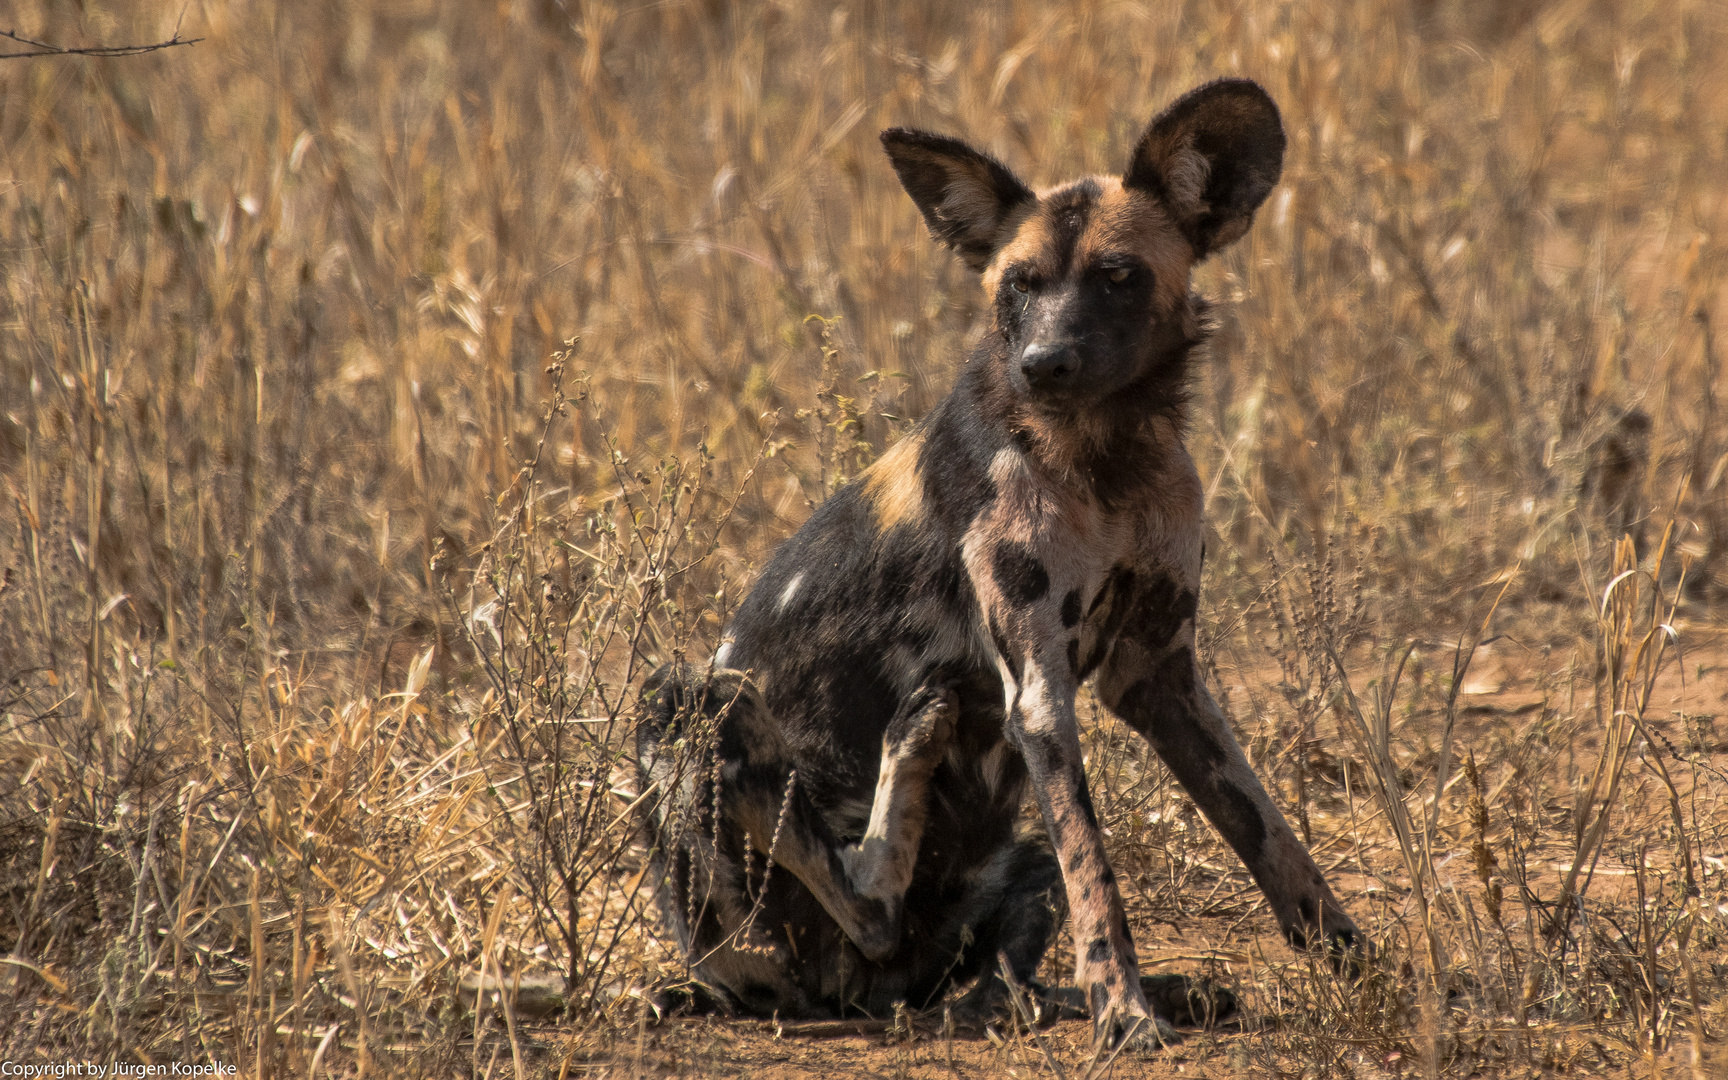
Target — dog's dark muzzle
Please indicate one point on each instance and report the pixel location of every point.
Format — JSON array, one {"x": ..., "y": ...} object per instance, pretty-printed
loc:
[{"x": 1050, "y": 366}]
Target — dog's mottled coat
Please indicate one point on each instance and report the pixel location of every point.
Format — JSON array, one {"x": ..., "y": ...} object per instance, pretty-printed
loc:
[{"x": 914, "y": 651}]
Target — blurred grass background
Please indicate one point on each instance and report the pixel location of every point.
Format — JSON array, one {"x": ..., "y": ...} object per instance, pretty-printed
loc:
[
  {"x": 303, "y": 277},
  {"x": 276, "y": 316}
]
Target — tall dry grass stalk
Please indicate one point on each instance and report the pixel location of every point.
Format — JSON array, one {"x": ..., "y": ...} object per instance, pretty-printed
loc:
[{"x": 328, "y": 569}]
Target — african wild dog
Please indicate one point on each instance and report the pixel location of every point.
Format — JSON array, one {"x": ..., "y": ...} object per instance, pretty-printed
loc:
[{"x": 914, "y": 651}]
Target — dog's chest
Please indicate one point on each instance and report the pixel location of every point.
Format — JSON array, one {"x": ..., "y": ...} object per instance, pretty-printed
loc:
[{"x": 1050, "y": 564}]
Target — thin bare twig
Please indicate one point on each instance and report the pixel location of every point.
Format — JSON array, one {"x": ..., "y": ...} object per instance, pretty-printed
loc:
[{"x": 43, "y": 48}]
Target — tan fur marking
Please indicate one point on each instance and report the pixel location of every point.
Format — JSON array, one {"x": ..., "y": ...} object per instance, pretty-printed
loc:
[
  {"x": 1028, "y": 241},
  {"x": 892, "y": 483},
  {"x": 1130, "y": 221},
  {"x": 1122, "y": 220}
]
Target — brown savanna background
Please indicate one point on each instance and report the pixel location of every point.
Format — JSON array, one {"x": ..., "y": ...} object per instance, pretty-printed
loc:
[{"x": 385, "y": 386}]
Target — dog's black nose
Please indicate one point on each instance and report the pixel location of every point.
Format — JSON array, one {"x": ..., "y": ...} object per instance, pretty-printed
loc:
[{"x": 1049, "y": 364}]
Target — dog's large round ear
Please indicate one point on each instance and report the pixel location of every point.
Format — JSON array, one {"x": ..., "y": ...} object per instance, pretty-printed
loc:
[
  {"x": 1212, "y": 157},
  {"x": 965, "y": 196}
]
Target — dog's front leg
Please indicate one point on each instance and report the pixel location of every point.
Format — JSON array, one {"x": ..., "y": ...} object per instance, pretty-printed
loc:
[
  {"x": 1150, "y": 682},
  {"x": 1040, "y": 692}
]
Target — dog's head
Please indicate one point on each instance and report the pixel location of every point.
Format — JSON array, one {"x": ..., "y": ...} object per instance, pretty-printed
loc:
[{"x": 1089, "y": 280}]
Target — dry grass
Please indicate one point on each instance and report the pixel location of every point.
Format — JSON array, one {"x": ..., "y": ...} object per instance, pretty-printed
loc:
[{"x": 312, "y": 692}]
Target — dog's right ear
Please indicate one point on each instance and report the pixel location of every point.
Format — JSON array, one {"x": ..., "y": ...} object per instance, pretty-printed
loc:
[{"x": 965, "y": 195}]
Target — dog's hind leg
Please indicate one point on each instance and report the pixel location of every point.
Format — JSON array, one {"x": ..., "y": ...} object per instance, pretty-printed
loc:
[
  {"x": 700, "y": 860},
  {"x": 729, "y": 791},
  {"x": 880, "y": 864}
]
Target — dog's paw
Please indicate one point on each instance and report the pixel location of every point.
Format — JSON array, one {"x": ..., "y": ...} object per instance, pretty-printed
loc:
[
  {"x": 1124, "y": 1023},
  {"x": 1349, "y": 950},
  {"x": 1128, "y": 1030},
  {"x": 877, "y": 934},
  {"x": 929, "y": 722}
]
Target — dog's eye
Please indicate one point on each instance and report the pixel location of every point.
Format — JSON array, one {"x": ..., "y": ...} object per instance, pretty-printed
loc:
[
  {"x": 1117, "y": 277},
  {"x": 1019, "y": 283}
]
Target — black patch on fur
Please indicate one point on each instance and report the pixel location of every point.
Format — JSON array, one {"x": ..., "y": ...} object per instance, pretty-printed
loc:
[
  {"x": 1050, "y": 751},
  {"x": 1068, "y": 209},
  {"x": 1071, "y": 609},
  {"x": 1085, "y": 796},
  {"x": 955, "y": 460},
  {"x": 1117, "y": 591},
  {"x": 1102, "y": 595},
  {"x": 1019, "y": 574},
  {"x": 1158, "y": 612},
  {"x": 1098, "y": 951},
  {"x": 1100, "y": 651}
]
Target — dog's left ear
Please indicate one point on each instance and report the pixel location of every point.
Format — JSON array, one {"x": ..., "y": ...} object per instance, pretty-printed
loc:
[{"x": 1212, "y": 157}]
